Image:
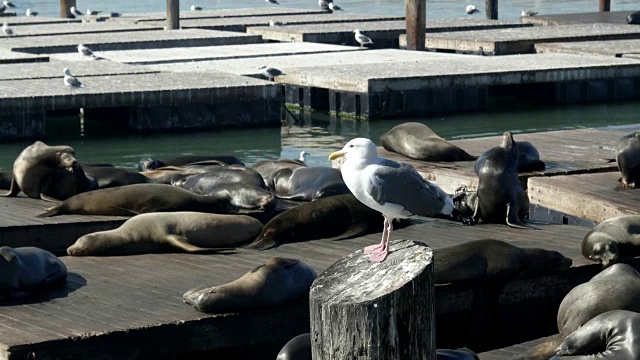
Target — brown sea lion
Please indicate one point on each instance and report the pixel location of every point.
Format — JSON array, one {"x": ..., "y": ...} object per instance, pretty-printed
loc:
[
  {"x": 268, "y": 168},
  {"x": 275, "y": 283},
  {"x": 43, "y": 171},
  {"x": 501, "y": 198},
  {"x": 336, "y": 217},
  {"x": 308, "y": 183},
  {"x": 612, "y": 240},
  {"x": 418, "y": 141},
  {"x": 147, "y": 164},
  {"x": 628, "y": 160},
  {"x": 205, "y": 182},
  {"x": 25, "y": 270},
  {"x": 609, "y": 336},
  {"x": 169, "y": 231},
  {"x": 615, "y": 288},
  {"x": 107, "y": 177},
  {"x": 136, "y": 199}
]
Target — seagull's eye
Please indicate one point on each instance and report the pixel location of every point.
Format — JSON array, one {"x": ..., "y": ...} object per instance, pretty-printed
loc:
[{"x": 351, "y": 145}]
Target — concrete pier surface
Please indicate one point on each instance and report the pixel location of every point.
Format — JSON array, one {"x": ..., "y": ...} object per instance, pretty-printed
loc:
[
  {"x": 75, "y": 28},
  {"x": 522, "y": 40},
  {"x": 38, "y": 20},
  {"x": 609, "y": 17},
  {"x": 10, "y": 57},
  {"x": 222, "y": 13},
  {"x": 616, "y": 48}
]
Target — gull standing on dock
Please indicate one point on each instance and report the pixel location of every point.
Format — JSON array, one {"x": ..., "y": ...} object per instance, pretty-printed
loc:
[
  {"x": 7, "y": 31},
  {"x": 273, "y": 2},
  {"x": 195, "y": 8},
  {"x": 75, "y": 12},
  {"x": 324, "y": 5},
  {"x": 392, "y": 188},
  {"x": 334, "y": 7},
  {"x": 31, "y": 13},
  {"x": 270, "y": 72},
  {"x": 361, "y": 38},
  {"x": 71, "y": 81},
  {"x": 528, "y": 13},
  {"x": 86, "y": 52},
  {"x": 276, "y": 23},
  {"x": 472, "y": 9},
  {"x": 303, "y": 157},
  {"x": 93, "y": 12},
  {"x": 8, "y": 4}
]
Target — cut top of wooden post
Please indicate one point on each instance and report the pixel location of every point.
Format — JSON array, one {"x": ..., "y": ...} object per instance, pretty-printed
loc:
[{"x": 354, "y": 279}]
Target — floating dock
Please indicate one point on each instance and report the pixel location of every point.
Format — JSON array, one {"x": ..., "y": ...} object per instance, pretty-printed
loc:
[
  {"x": 615, "y": 48},
  {"x": 75, "y": 28},
  {"x": 609, "y": 17}
]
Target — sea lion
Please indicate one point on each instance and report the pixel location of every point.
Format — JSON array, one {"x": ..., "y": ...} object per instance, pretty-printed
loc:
[
  {"x": 147, "y": 164},
  {"x": 275, "y": 283},
  {"x": 529, "y": 158},
  {"x": 628, "y": 160},
  {"x": 107, "y": 177},
  {"x": 609, "y": 336},
  {"x": 268, "y": 168},
  {"x": 208, "y": 181},
  {"x": 244, "y": 196},
  {"x": 298, "y": 348},
  {"x": 336, "y": 217},
  {"x": 613, "y": 239},
  {"x": 43, "y": 171},
  {"x": 615, "y": 288},
  {"x": 418, "y": 141},
  {"x": 136, "y": 199},
  {"x": 308, "y": 183},
  {"x": 501, "y": 198},
  {"x": 493, "y": 260},
  {"x": 24, "y": 270},
  {"x": 169, "y": 231}
]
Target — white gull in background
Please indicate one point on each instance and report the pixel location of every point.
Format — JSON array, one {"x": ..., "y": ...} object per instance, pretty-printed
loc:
[
  {"x": 195, "y": 8},
  {"x": 75, "y": 12},
  {"x": 334, "y": 7},
  {"x": 324, "y": 5},
  {"x": 276, "y": 23},
  {"x": 7, "y": 31},
  {"x": 392, "y": 188},
  {"x": 528, "y": 13},
  {"x": 472, "y": 9},
  {"x": 86, "y": 52},
  {"x": 303, "y": 156},
  {"x": 361, "y": 38},
  {"x": 270, "y": 72},
  {"x": 71, "y": 81},
  {"x": 273, "y": 2},
  {"x": 93, "y": 12},
  {"x": 8, "y": 4},
  {"x": 31, "y": 12}
]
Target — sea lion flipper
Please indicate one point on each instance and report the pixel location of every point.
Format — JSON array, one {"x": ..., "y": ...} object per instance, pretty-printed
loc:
[
  {"x": 52, "y": 211},
  {"x": 181, "y": 243},
  {"x": 14, "y": 190},
  {"x": 513, "y": 220},
  {"x": 49, "y": 198},
  {"x": 124, "y": 212}
]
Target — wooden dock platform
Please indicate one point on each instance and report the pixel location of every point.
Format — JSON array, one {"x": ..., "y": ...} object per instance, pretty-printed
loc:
[
  {"x": 189, "y": 55},
  {"x": 125, "y": 40},
  {"x": 608, "y": 17},
  {"x": 564, "y": 152},
  {"x": 242, "y": 23},
  {"x": 383, "y": 33},
  {"x": 522, "y": 40},
  {"x": 587, "y": 196},
  {"x": 10, "y": 57},
  {"x": 53, "y": 69},
  {"x": 76, "y": 28},
  {"x": 220, "y": 13},
  {"x": 511, "y": 352},
  {"x": 616, "y": 48},
  {"x": 39, "y": 20}
]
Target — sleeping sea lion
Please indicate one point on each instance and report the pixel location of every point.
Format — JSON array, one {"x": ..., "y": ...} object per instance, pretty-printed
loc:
[
  {"x": 612, "y": 240},
  {"x": 147, "y": 164},
  {"x": 418, "y": 141},
  {"x": 205, "y": 182},
  {"x": 275, "y": 283},
  {"x": 268, "y": 168},
  {"x": 628, "y": 160},
  {"x": 169, "y": 231},
  {"x": 308, "y": 183},
  {"x": 25, "y": 270},
  {"x": 107, "y": 177}
]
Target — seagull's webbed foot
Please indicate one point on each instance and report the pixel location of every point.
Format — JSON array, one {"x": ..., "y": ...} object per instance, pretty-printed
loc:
[
  {"x": 379, "y": 255},
  {"x": 373, "y": 249}
]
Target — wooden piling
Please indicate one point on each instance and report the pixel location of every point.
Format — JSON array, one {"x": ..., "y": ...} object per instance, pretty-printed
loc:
[
  {"x": 491, "y": 7},
  {"x": 173, "y": 14},
  {"x": 416, "y": 17},
  {"x": 65, "y": 5},
  {"x": 605, "y": 5},
  {"x": 375, "y": 311}
]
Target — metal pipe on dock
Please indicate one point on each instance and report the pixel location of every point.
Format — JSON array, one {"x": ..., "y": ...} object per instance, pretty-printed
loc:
[
  {"x": 491, "y": 7},
  {"x": 65, "y": 6},
  {"x": 605, "y": 5},
  {"x": 416, "y": 17},
  {"x": 173, "y": 15}
]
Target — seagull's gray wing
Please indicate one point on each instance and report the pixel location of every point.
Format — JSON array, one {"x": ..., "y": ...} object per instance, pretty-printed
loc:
[
  {"x": 86, "y": 51},
  {"x": 401, "y": 184},
  {"x": 73, "y": 81}
]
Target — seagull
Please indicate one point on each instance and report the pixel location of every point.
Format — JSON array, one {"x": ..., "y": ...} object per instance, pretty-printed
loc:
[
  {"x": 86, "y": 52},
  {"x": 8, "y": 4},
  {"x": 270, "y": 72},
  {"x": 392, "y": 188},
  {"x": 276, "y": 23},
  {"x": 93, "y": 12},
  {"x": 362, "y": 38},
  {"x": 472, "y": 9},
  {"x": 7, "y": 31},
  {"x": 324, "y": 5},
  {"x": 75, "y": 12},
  {"x": 528, "y": 13},
  {"x": 303, "y": 156},
  {"x": 195, "y": 8},
  {"x": 334, "y": 7},
  {"x": 71, "y": 81},
  {"x": 31, "y": 13},
  {"x": 273, "y": 2}
]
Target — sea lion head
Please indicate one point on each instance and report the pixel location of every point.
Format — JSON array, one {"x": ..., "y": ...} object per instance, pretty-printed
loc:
[
  {"x": 92, "y": 244},
  {"x": 66, "y": 160},
  {"x": 276, "y": 232},
  {"x": 147, "y": 164},
  {"x": 600, "y": 247}
]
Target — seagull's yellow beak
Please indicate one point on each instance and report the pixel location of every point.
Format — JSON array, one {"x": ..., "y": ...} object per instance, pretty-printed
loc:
[{"x": 335, "y": 155}]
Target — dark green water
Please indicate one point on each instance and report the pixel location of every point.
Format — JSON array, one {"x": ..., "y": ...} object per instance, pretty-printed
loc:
[{"x": 317, "y": 133}]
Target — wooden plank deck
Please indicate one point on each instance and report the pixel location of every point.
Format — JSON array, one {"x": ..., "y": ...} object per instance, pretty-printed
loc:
[
  {"x": 381, "y": 31},
  {"x": 140, "y": 296},
  {"x": 609, "y": 17},
  {"x": 11, "y": 57},
  {"x": 587, "y": 196},
  {"x": 220, "y": 13},
  {"x": 53, "y": 69},
  {"x": 241, "y": 23},
  {"x": 259, "y": 52},
  {"x": 39, "y": 20},
  {"x": 152, "y": 39},
  {"x": 522, "y": 40},
  {"x": 28, "y": 31},
  {"x": 617, "y": 48},
  {"x": 564, "y": 152},
  {"x": 511, "y": 352}
]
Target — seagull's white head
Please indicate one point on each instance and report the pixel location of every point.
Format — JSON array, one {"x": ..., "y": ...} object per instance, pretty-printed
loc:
[
  {"x": 356, "y": 31},
  {"x": 80, "y": 46},
  {"x": 303, "y": 156},
  {"x": 358, "y": 148},
  {"x": 5, "y": 25},
  {"x": 66, "y": 71},
  {"x": 72, "y": 9}
]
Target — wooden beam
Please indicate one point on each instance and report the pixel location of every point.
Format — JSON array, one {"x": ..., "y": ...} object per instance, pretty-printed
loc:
[
  {"x": 605, "y": 5},
  {"x": 65, "y": 5},
  {"x": 173, "y": 14},
  {"x": 491, "y": 7},
  {"x": 416, "y": 15}
]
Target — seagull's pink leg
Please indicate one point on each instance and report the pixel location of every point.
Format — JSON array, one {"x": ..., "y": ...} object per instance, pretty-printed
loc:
[
  {"x": 381, "y": 254},
  {"x": 372, "y": 248}
]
